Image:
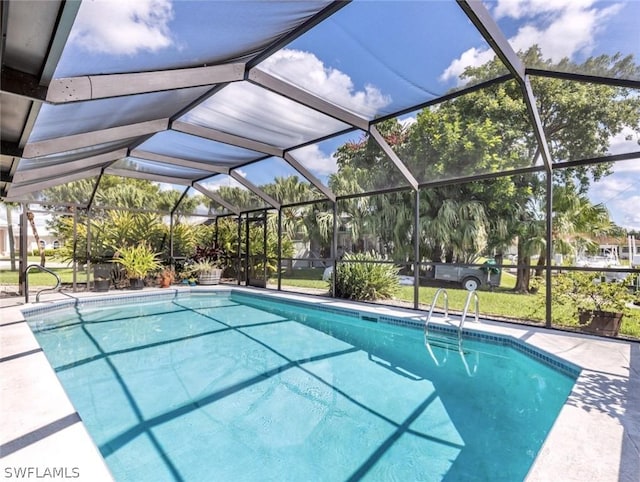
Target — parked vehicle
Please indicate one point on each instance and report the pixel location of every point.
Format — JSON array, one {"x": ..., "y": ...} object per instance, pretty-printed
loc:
[{"x": 469, "y": 277}]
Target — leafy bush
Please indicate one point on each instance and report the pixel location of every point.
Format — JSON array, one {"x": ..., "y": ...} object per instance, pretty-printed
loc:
[
  {"x": 586, "y": 291},
  {"x": 48, "y": 252},
  {"x": 213, "y": 255},
  {"x": 361, "y": 276},
  {"x": 137, "y": 260}
]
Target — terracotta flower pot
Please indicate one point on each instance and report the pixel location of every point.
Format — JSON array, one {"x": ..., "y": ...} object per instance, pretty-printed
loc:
[{"x": 600, "y": 322}]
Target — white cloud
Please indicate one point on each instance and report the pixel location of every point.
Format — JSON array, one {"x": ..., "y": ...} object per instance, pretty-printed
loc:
[
  {"x": 625, "y": 212},
  {"x": 526, "y": 8},
  {"x": 307, "y": 71},
  {"x": 470, "y": 58},
  {"x": 626, "y": 141},
  {"x": 561, "y": 28},
  {"x": 123, "y": 27},
  {"x": 315, "y": 160},
  {"x": 572, "y": 31},
  {"x": 618, "y": 192}
]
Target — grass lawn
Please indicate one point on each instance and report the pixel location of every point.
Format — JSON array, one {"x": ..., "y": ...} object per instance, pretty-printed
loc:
[
  {"x": 501, "y": 302},
  {"x": 40, "y": 278}
]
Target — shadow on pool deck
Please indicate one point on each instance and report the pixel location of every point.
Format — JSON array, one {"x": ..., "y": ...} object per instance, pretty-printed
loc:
[{"x": 630, "y": 457}]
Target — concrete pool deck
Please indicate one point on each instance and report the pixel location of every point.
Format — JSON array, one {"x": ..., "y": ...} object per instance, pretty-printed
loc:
[{"x": 596, "y": 436}]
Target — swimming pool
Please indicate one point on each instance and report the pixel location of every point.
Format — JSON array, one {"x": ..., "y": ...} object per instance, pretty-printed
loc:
[{"x": 232, "y": 387}]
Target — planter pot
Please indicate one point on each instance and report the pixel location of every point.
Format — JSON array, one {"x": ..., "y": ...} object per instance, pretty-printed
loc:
[
  {"x": 101, "y": 285},
  {"x": 164, "y": 282},
  {"x": 210, "y": 277},
  {"x": 102, "y": 270},
  {"x": 102, "y": 276},
  {"x": 600, "y": 322},
  {"x": 136, "y": 283},
  {"x": 258, "y": 283}
]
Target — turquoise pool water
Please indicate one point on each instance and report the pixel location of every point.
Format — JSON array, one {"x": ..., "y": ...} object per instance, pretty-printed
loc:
[{"x": 229, "y": 388}]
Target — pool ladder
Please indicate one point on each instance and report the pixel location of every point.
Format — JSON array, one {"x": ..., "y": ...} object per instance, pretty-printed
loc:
[
  {"x": 446, "y": 341},
  {"x": 55, "y": 289}
]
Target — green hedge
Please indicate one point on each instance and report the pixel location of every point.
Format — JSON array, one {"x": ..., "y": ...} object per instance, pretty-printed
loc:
[{"x": 362, "y": 276}]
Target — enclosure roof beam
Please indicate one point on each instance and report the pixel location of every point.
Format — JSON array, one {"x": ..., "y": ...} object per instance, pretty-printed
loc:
[
  {"x": 148, "y": 176},
  {"x": 482, "y": 20},
  {"x": 292, "y": 92},
  {"x": 216, "y": 197},
  {"x": 66, "y": 18},
  {"x": 56, "y": 170},
  {"x": 88, "y": 139},
  {"x": 226, "y": 138},
  {"x": 394, "y": 157},
  {"x": 21, "y": 84},
  {"x": 309, "y": 176},
  {"x": 90, "y": 87},
  {"x": 591, "y": 79},
  {"x": 16, "y": 191},
  {"x": 538, "y": 130},
  {"x": 285, "y": 40},
  {"x": 255, "y": 189},
  {"x": 177, "y": 161}
]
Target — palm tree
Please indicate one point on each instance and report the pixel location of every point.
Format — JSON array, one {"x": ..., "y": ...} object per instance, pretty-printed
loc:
[
  {"x": 576, "y": 221},
  {"x": 452, "y": 227},
  {"x": 289, "y": 190},
  {"x": 36, "y": 236}
]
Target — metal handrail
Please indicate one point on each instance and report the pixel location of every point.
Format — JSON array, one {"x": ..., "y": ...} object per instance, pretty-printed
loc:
[
  {"x": 433, "y": 304},
  {"x": 466, "y": 310},
  {"x": 471, "y": 371},
  {"x": 56, "y": 288}
]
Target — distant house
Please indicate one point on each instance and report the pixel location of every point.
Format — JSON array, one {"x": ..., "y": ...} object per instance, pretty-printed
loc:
[
  {"x": 46, "y": 239},
  {"x": 618, "y": 246}
]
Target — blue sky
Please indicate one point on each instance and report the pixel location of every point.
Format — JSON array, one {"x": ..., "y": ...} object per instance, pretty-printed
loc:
[{"x": 361, "y": 64}]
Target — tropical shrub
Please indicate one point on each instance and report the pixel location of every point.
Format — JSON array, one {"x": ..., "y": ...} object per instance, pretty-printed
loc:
[
  {"x": 213, "y": 255},
  {"x": 138, "y": 260},
  {"x": 114, "y": 228},
  {"x": 586, "y": 291},
  {"x": 364, "y": 277}
]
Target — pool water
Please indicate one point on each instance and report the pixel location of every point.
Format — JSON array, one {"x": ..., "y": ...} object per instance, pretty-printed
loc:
[{"x": 229, "y": 388}]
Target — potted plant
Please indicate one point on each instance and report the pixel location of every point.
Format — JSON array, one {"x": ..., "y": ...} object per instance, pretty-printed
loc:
[
  {"x": 166, "y": 277},
  {"x": 208, "y": 272},
  {"x": 138, "y": 261},
  {"x": 101, "y": 284},
  {"x": 599, "y": 304},
  {"x": 102, "y": 276},
  {"x": 206, "y": 264}
]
